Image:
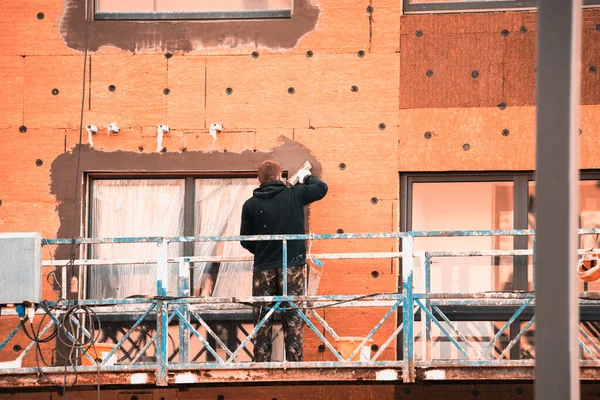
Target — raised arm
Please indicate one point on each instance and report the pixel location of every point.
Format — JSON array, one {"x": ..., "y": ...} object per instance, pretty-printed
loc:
[{"x": 313, "y": 189}]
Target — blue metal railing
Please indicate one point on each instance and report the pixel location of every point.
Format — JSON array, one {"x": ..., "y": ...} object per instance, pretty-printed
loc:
[{"x": 185, "y": 310}]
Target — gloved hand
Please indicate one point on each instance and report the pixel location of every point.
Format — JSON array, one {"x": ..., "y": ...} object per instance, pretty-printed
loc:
[{"x": 302, "y": 174}]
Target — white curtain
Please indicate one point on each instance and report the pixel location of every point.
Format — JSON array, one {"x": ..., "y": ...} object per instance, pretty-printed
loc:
[
  {"x": 218, "y": 211},
  {"x": 134, "y": 207}
]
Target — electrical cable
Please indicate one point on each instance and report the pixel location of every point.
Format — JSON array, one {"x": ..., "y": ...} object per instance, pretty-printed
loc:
[
  {"x": 70, "y": 335},
  {"x": 74, "y": 247},
  {"x": 333, "y": 304},
  {"x": 77, "y": 347},
  {"x": 77, "y": 180}
]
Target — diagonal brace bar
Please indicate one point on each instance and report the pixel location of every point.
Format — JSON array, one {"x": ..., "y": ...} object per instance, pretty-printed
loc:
[
  {"x": 71, "y": 338},
  {"x": 317, "y": 332},
  {"x": 454, "y": 328},
  {"x": 375, "y": 329},
  {"x": 198, "y": 335},
  {"x": 324, "y": 324},
  {"x": 254, "y": 331},
  {"x": 505, "y": 327},
  {"x": 126, "y": 336},
  {"x": 392, "y": 336},
  {"x": 10, "y": 336},
  {"x": 589, "y": 339},
  {"x": 516, "y": 338},
  {"x": 152, "y": 339},
  {"x": 587, "y": 350},
  {"x": 214, "y": 335},
  {"x": 444, "y": 331},
  {"x": 30, "y": 346}
]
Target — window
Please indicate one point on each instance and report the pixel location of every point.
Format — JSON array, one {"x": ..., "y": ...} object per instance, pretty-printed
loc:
[
  {"x": 485, "y": 201},
  {"x": 457, "y": 203},
  {"x": 191, "y": 9},
  {"x": 218, "y": 212},
  {"x": 133, "y": 207},
  {"x": 426, "y": 6},
  {"x": 589, "y": 217},
  {"x": 464, "y": 201},
  {"x": 172, "y": 206},
  {"x": 168, "y": 207},
  {"x": 489, "y": 205}
]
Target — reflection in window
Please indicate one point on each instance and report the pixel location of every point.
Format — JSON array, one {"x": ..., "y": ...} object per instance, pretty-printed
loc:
[
  {"x": 461, "y": 206},
  {"x": 488, "y": 205},
  {"x": 465, "y": 206},
  {"x": 589, "y": 217}
]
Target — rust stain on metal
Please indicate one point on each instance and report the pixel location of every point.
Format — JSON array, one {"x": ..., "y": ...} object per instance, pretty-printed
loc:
[
  {"x": 474, "y": 373},
  {"x": 219, "y": 377},
  {"x": 83, "y": 379},
  {"x": 290, "y": 374}
]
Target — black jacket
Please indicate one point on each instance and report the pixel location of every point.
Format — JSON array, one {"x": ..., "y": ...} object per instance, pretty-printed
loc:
[{"x": 275, "y": 209}]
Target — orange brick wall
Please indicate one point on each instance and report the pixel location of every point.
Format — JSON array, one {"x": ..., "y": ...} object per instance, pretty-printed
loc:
[{"x": 335, "y": 124}]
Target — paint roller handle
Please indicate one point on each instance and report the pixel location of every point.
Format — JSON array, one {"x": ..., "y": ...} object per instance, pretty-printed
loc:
[{"x": 295, "y": 178}]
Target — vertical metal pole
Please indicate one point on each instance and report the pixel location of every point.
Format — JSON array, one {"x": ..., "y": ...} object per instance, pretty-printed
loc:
[
  {"x": 284, "y": 263},
  {"x": 425, "y": 320},
  {"x": 407, "y": 310},
  {"x": 162, "y": 342},
  {"x": 520, "y": 221},
  {"x": 534, "y": 261},
  {"x": 162, "y": 268},
  {"x": 63, "y": 282},
  {"x": 423, "y": 313},
  {"x": 189, "y": 220},
  {"x": 520, "y": 263},
  {"x": 184, "y": 291},
  {"x": 558, "y": 81}
]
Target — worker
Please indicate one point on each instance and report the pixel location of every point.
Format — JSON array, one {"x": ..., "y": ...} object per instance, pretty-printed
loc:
[{"x": 277, "y": 209}]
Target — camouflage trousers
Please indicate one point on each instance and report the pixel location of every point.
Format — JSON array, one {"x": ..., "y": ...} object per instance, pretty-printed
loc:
[{"x": 269, "y": 283}]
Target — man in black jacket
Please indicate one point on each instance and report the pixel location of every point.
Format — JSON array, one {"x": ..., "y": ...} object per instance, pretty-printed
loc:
[{"x": 272, "y": 210}]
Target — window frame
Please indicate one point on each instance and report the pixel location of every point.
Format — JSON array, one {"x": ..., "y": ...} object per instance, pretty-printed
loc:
[
  {"x": 521, "y": 180},
  {"x": 188, "y": 15},
  {"x": 520, "y": 200},
  {"x": 477, "y": 6},
  {"x": 188, "y": 198},
  {"x": 231, "y": 321}
]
